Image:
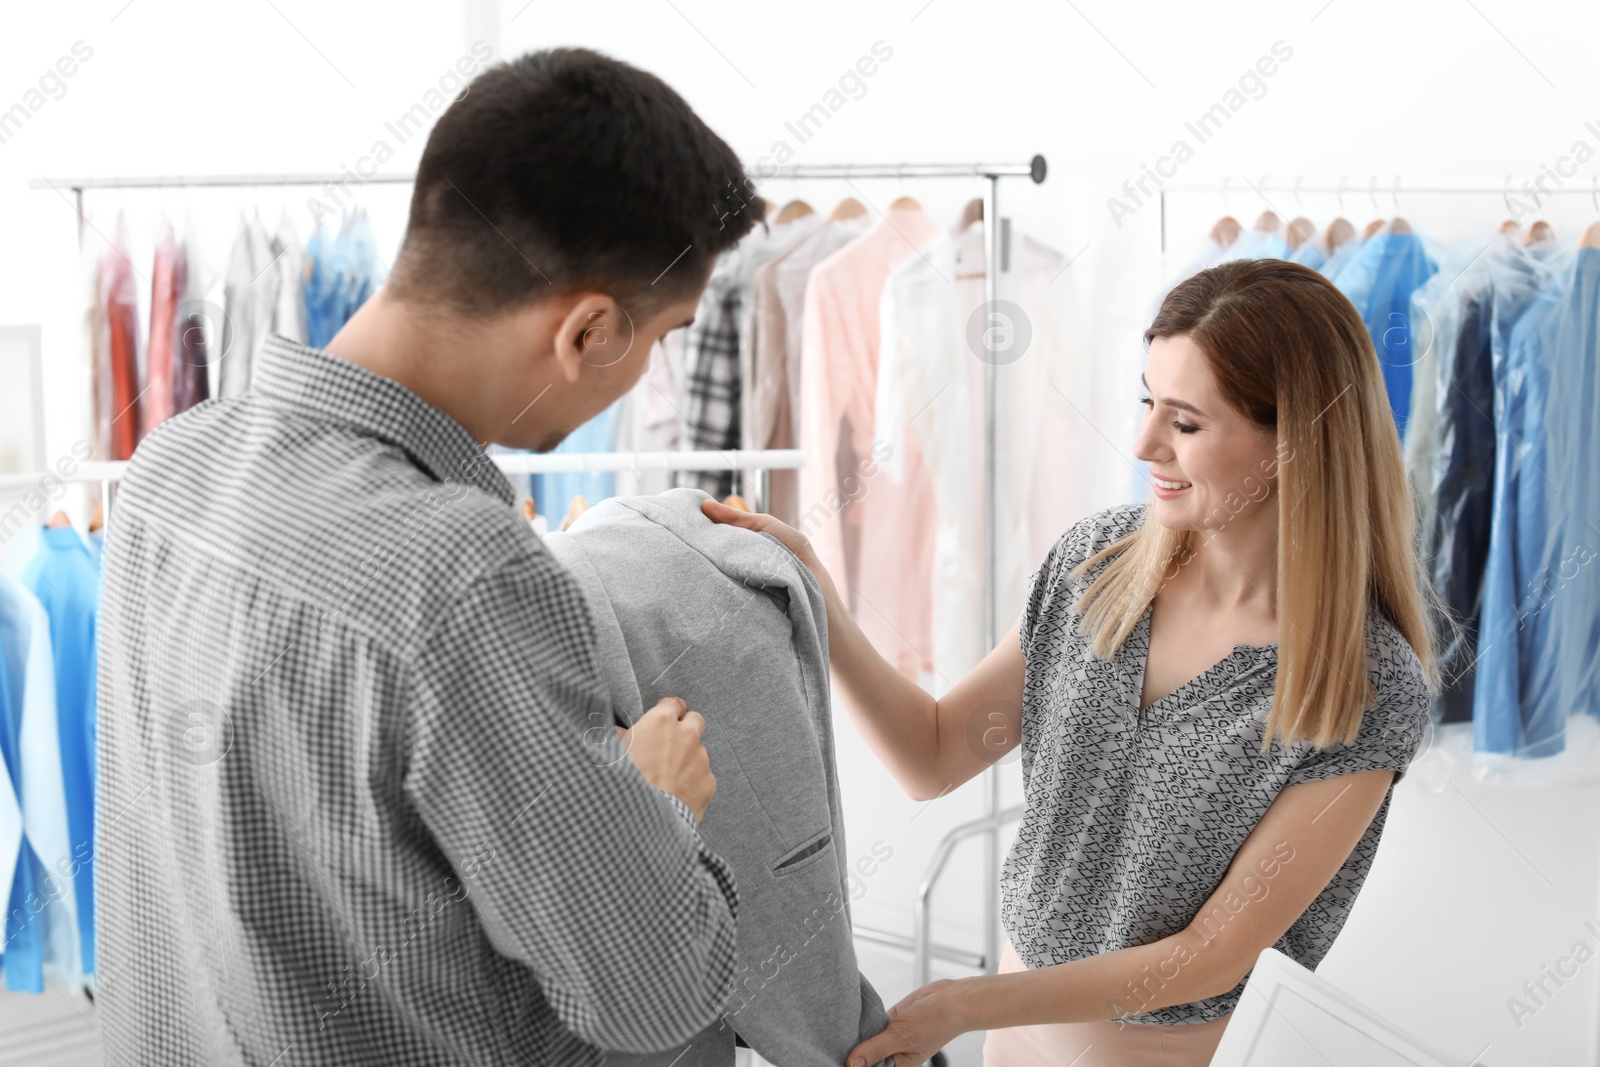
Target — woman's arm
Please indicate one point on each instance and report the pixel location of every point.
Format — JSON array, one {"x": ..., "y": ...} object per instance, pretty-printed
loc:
[
  {"x": 930, "y": 746},
  {"x": 1287, "y": 860}
]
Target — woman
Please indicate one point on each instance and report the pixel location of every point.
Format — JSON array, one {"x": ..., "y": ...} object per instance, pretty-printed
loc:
[{"x": 1214, "y": 693}]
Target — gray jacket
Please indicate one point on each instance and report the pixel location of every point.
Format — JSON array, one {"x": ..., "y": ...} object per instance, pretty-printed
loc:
[{"x": 731, "y": 621}]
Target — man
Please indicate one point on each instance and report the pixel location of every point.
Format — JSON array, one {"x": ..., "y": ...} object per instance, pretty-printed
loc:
[{"x": 362, "y": 799}]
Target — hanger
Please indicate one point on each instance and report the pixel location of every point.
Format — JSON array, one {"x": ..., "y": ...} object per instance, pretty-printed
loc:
[
  {"x": 735, "y": 501},
  {"x": 58, "y": 520},
  {"x": 1509, "y": 226},
  {"x": 1398, "y": 225},
  {"x": 1339, "y": 232},
  {"x": 1226, "y": 231},
  {"x": 973, "y": 212},
  {"x": 530, "y": 510},
  {"x": 1372, "y": 227},
  {"x": 1591, "y": 237},
  {"x": 578, "y": 506},
  {"x": 1301, "y": 230},
  {"x": 1267, "y": 222},
  {"x": 848, "y": 208},
  {"x": 904, "y": 203},
  {"x": 1538, "y": 233},
  {"x": 97, "y": 517},
  {"x": 794, "y": 209},
  {"x": 771, "y": 209}
]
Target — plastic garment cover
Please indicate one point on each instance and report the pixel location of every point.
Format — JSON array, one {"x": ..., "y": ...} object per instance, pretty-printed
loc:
[
  {"x": 1393, "y": 266},
  {"x": 1514, "y": 693},
  {"x": 1458, "y": 446},
  {"x": 1565, "y": 585},
  {"x": 1307, "y": 254},
  {"x": 1257, "y": 244}
]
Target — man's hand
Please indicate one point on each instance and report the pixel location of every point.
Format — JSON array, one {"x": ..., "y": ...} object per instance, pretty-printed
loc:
[{"x": 665, "y": 746}]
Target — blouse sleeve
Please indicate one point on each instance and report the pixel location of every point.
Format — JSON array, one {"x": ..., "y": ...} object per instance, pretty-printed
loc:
[{"x": 1391, "y": 732}]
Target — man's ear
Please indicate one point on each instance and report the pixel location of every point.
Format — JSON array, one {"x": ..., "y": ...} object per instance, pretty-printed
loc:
[{"x": 596, "y": 332}]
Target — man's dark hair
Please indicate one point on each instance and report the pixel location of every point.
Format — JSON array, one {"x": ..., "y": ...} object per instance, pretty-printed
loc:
[{"x": 566, "y": 169}]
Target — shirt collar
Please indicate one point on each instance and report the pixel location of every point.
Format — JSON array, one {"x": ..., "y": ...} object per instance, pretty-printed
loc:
[{"x": 312, "y": 380}]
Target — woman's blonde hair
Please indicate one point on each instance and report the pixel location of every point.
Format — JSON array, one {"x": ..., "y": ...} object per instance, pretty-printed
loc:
[{"x": 1290, "y": 352}]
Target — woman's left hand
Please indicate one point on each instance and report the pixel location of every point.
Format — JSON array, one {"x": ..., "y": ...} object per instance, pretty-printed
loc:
[{"x": 920, "y": 1025}]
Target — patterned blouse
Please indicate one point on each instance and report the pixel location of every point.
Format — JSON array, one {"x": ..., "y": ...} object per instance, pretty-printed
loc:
[{"x": 1133, "y": 816}]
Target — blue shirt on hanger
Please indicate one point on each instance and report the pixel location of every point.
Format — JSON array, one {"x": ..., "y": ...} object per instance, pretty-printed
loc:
[
  {"x": 65, "y": 579},
  {"x": 1513, "y": 704},
  {"x": 553, "y": 492},
  {"x": 1396, "y": 265}
]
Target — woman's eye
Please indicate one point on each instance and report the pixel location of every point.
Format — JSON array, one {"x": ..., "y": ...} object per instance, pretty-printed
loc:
[
  {"x": 1184, "y": 427},
  {"x": 1146, "y": 401}
]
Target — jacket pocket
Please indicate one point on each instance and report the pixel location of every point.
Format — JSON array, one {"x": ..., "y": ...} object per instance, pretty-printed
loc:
[{"x": 805, "y": 854}]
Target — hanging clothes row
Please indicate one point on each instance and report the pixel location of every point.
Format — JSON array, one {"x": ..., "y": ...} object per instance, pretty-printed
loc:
[
  {"x": 852, "y": 338},
  {"x": 47, "y": 774},
  {"x": 270, "y": 286},
  {"x": 1489, "y": 351}
]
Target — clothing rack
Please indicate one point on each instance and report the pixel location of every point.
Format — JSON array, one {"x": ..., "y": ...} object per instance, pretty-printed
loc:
[
  {"x": 1428, "y": 187},
  {"x": 996, "y": 261}
]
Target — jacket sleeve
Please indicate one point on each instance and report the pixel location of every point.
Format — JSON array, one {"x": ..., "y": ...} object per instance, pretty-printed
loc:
[{"x": 577, "y": 867}]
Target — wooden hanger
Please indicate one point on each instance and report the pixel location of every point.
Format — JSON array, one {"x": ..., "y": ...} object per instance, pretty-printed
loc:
[
  {"x": 1267, "y": 222},
  {"x": 1301, "y": 230},
  {"x": 1539, "y": 232},
  {"x": 58, "y": 520},
  {"x": 1372, "y": 227},
  {"x": 771, "y": 209},
  {"x": 1509, "y": 226},
  {"x": 530, "y": 510},
  {"x": 973, "y": 212},
  {"x": 735, "y": 501},
  {"x": 848, "y": 208},
  {"x": 1339, "y": 232},
  {"x": 794, "y": 209},
  {"x": 1226, "y": 231},
  {"x": 578, "y": 506},
  {"x": 905, "y": 203},
  {"x": 1591, "y": 237},
  {"x": 1398, "y": 225},
  {"x": 97, "y": 517}
]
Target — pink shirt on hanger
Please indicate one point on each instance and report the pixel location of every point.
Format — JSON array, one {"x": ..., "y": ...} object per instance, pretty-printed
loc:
[{"x": 850, "y": 511}]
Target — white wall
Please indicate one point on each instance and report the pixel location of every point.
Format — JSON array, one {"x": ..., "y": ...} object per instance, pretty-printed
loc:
[{"x": 1416, "y": 91}]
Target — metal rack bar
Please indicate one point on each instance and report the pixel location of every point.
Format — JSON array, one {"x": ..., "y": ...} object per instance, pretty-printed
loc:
[{"x": 540, "y": 463}]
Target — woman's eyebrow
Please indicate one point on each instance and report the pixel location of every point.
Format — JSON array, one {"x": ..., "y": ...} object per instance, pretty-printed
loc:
[{"x": 1180, "y": 404}]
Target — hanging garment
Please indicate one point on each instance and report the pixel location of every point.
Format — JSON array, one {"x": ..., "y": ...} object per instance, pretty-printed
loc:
[
  {"x": 167, "y": 281},
  {"x": 249, "y": 289},
  {"x": 636, "y": 433},
  {"x": 66, "y": 581},
  {"x": 41, "y": 927},
  {"x": 931, "y": 386},
  {"x": 887, "y": 585},
  {"x": 773, "y": 388},
  {"x": 319, "y": 287},
  {"x": 1257, "y": 244},
  {"x": 1308, "y": 254},
  {"x": 1436, "y": 310},
  {"x": 356, "y": 276},
  {"x": 731, "y": 622},
  {"x": 1397, "y": 265},
  {"x": 1567, "y": 578},
  {"x": 288, "y": 312},
  {"x": 554, "y": 492},
  {"x": 117, "y": 420},
  {"x": 713, "y": 349},
  {"x": 192, "y": 340},
  {"x": 1513, "y": 709},
  {"x": 1460, "y": 498}
]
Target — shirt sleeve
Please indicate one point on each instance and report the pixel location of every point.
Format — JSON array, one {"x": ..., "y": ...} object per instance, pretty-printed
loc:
[
  {"x": 577, "y": 867},
  {"x": 1391, "y": 731}
]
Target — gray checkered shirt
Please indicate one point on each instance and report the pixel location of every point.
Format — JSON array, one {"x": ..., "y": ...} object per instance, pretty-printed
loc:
[{"x": 360, "y": 797}]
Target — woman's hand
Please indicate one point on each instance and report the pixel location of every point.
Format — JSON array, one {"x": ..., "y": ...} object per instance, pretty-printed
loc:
[
  {"x": 792, "y": 539},
  {"x": 920, "y": 1025}
]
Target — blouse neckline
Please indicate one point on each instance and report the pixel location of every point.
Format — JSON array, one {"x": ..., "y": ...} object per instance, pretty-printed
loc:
[{"x": 1240, "y": 655}]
